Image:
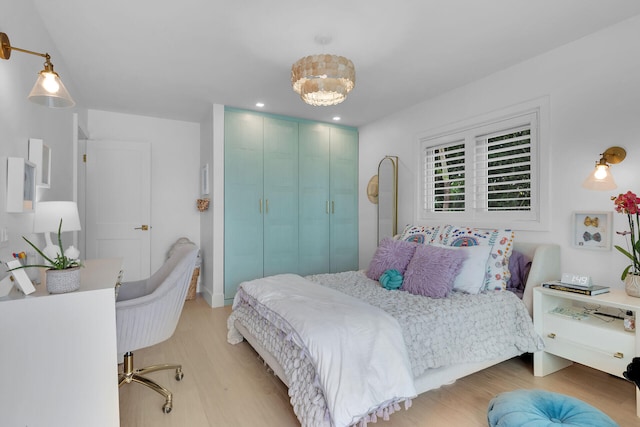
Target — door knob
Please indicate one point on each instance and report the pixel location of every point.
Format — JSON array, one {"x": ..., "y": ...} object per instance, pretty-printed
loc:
[{"x": 143, "y": 227}]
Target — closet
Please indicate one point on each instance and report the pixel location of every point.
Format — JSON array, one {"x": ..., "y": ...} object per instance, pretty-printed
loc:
[
  {"x": 260, "y": 198},
  {"x": 290, "y": 197}
]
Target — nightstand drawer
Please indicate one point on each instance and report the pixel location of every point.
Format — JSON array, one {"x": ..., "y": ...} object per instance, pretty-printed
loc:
[{"x": 606, "y": 348}]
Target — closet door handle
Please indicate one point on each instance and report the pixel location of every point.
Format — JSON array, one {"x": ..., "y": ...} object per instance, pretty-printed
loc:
[
  {"x": 260, "y": 205},
  {"x": 266, "y": 206},
  {"x": 333, "y": 207},
  {"x": 327, "y": 206}
]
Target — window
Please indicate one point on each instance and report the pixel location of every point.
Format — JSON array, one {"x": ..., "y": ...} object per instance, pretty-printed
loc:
[{"x": 484, "y": 173}]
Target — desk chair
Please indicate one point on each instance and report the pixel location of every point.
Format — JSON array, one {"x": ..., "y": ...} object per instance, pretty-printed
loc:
[{"x": 147, "y": 313}]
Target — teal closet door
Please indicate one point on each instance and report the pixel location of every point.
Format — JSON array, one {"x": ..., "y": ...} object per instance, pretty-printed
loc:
[
  {"x": 314, "y": 198},
  {"x": 281, "y": 196},
  {"x": 243, "y": 189},
  {"x": 344, "y": 199}
]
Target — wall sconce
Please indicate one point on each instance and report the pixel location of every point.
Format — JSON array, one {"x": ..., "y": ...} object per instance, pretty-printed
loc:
[
  {"x": 48, "y": 90},
  {"x": 601, "y": 178}
]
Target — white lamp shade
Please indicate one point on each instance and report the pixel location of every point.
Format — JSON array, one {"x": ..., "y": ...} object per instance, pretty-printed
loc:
[
  {"x": 600, "y": 179},
  {"x": 48, "y": 215}
]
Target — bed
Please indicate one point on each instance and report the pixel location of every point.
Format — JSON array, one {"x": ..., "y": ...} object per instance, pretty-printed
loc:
[{"x": 412, "y": 349}]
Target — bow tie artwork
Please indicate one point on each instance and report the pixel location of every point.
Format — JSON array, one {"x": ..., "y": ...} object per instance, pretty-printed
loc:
[
  {"x": 588, "y": 221},
  {"x": 596, "y": 237}
]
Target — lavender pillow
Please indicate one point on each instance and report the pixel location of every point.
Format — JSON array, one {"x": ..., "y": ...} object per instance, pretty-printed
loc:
[
  {"x": 391, "y": 255},
  {"x": 432, "y": 271}
]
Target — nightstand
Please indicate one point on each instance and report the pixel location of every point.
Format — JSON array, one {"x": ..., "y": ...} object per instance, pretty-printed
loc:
[{"x": 600, "y": 342}]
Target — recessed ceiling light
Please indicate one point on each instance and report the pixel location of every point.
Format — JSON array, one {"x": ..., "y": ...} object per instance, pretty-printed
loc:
[
  {"x": 259, "y": 104},
  {"x": 336, "y": 118}
]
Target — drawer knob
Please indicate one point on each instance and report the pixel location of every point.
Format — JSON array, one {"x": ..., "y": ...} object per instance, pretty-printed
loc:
[
  {"x": 618, "y": 355},
  {"x": 552, "y": 335}
]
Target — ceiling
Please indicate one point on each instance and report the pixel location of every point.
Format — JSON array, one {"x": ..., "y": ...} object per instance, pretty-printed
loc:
[{"x": 172, "y": 59}]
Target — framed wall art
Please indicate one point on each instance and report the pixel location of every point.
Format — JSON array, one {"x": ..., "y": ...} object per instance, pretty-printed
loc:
[
  {"x": 592, "y": 230},
  {"x": 40, "y": 155},
  {"x": 21, "y": 185}
]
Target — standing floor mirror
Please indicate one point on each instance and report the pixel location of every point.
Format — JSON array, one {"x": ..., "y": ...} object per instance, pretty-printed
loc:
[{"x": 387, "y": 197}]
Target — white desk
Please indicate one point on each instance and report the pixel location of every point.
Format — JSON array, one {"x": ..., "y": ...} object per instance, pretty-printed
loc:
[{"x": 58, "y": 353}]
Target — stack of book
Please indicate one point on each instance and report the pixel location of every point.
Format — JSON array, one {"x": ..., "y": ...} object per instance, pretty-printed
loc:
[{"x": 578, "y": 289}]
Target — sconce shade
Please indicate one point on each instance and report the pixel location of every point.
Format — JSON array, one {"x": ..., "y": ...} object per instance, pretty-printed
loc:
[
  {"x": 48, "y": 90},
  {"x": 323, "y": 80},
  {"x": 48, "y": 214},
  {"x": 600, "y": 178}
]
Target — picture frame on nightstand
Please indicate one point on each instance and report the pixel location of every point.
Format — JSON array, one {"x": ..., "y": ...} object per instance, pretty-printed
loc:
[
  {"x": 20, "y": 277},
  {"x": 592, "y": 230}
]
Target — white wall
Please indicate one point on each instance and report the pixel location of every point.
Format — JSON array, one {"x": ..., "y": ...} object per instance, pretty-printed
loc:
[
  {"x": 593, "y": 86},
  {"x": 212, "y": 221},
  {"x": 21, "y": 119},
  {"x": 175, "y": 172}
]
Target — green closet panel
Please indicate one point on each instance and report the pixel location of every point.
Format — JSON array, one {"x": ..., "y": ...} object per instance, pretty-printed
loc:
[
  {"x": 344, "y": 200},
  {"x": 280, "y": 196},
  {"x": 314, "y": 209},
  {"x": 328, "y": 199},
  {"x": 243, "y": 189}
]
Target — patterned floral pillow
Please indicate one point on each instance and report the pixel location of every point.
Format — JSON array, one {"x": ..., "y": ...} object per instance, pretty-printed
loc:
[
  {"x": 501, "y": 242},
  {"x": 422, "y": 234}
]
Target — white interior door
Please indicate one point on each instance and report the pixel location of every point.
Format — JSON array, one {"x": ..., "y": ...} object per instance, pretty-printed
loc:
[{"x": 118, "y": 204}]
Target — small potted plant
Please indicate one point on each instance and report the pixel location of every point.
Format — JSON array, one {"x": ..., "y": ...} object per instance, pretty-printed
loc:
[{"x": 63, "y": 273}]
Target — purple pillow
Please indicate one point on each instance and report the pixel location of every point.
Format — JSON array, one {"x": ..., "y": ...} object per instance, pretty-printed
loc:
[
  {"x": 432, "y": 271},
  {"x": 391, "y": 255}
]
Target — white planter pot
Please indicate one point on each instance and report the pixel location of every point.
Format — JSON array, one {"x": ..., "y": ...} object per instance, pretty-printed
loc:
[
  {"x": 632, "y": 285},
  {"x": 61, "y": 281}
]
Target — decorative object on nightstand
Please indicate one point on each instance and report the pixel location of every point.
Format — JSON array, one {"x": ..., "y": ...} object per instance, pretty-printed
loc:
[{"x": 627, "y": 203}]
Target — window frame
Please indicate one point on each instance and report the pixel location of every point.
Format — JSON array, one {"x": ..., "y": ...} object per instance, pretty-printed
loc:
[{"x": 534, "y": 112}]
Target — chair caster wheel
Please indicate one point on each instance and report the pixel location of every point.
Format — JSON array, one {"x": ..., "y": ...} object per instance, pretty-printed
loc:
[
  {"x": 166, "y": 408},
  {"x": 179, "y": 375}
]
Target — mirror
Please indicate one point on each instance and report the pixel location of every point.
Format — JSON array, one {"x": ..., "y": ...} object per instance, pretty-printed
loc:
[{"x": 387, "y": 197}]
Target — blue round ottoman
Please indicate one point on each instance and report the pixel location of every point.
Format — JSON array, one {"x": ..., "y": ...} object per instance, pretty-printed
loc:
[{"x": 539, "y": 408}]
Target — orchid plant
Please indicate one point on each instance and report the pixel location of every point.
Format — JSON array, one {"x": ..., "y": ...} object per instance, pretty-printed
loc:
[{"x": 628, "y": 203}]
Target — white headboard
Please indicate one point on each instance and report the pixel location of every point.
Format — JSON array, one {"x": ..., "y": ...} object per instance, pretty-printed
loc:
[{"x": 545, "y": 266}]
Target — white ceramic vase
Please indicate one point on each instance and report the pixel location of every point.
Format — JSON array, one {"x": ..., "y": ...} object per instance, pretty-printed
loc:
[{"x": 632, "y": 285}]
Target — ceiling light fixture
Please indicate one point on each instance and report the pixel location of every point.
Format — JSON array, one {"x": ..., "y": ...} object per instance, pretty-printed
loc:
[
  {"x": 323, "y": 80},
  {"x": 48, "y": 90},
  {"x": 601, "y": 178}
]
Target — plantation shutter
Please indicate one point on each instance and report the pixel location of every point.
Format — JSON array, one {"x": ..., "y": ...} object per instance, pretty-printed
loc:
[
  {"x": 503, "y": 170},
  {"x": 445, "y": 171}
]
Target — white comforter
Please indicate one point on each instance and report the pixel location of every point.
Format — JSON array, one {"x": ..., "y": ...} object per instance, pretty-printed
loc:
[{"x": 358, "y": 350}]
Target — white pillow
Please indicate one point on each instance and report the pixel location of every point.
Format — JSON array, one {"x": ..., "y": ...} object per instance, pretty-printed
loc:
[{"x": 472, "y": 275}]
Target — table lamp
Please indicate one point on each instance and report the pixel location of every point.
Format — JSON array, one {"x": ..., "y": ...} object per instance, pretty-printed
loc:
[{"x": 47, "y": 219}]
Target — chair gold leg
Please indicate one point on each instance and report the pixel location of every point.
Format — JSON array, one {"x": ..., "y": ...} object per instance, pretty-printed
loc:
[{"x": 130, "y": 375}]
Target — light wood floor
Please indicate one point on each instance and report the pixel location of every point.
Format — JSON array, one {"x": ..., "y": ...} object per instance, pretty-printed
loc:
[{"x": 227, "y": 385}]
